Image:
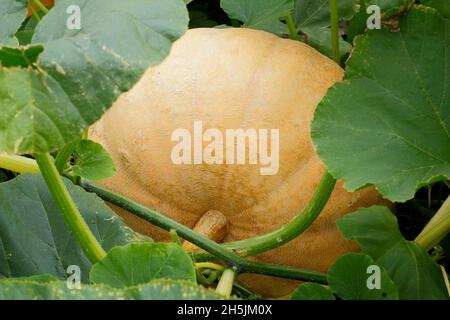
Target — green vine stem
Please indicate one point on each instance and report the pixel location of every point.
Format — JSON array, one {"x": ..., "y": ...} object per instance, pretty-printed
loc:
[
  {"x": 335, "y": 31},
  {"x": 235, "y": 23},
  {"x": 437, "y": 228},
  {"x": 18, "y": 164},
  {"x": 215, "y": 249},
  {"x": 69, "y": 210},
  {"x": 41, "y": 6},
  {"x": 292, "y": 27},
  {"x": 291, "y": 230}
]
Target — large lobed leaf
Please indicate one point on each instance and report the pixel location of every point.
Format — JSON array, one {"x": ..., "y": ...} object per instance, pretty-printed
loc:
[
  {"x": 348, "y": 277},
  {"x": 313, "y": 19},
  {"x": 37, "y": 115},
  {"x": 256, "y": 14},
  {"x": 12, "y": 14},
  {"x": 34, "y": 238},
  {"x": 388, "y": 124},
  {"x": 50, "y": 289},
  {"x": 413, "y": 271},
  {"x": 22, "y": 57},
  {"x": 85, "y": 70},
  {"x": 391, "y": 8},
  {"x": 92, "y": 161},
  {"x": 140, "y": 263}
]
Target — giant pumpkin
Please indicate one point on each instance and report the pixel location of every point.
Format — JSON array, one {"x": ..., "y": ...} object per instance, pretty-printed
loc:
[{"x": 231, "y": 79}]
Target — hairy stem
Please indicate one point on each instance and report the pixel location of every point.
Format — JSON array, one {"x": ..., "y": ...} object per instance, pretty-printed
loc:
[
  {"x": 41, "y": 6},
  {"x": 18, "y": 164},
  {"x": 335, "y": 31},
  {"x": 292, "y": 27},
  {"x": 215, "y": 249},
  {"x": 437, "y": 228},
  {"x": 291, "y": 230},
  {"x": 91, "y": 247}
]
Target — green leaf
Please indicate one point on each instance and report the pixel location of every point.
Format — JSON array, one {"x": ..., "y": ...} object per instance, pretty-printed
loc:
[
  {"x": 388, "y": 124},
  {"x": 312, "y": 18},
  {"x": 316, "y": 13},
  {"x": 24, "y": 36},
  {"x": 20, "y": 289},
  {"x": 37, "y": 115},
  {"x": 443, "y": 6},
  {"x": 257, "y": 14},
  {"x": 320, "y": 39},
  {"x": 312, "y": 291},
  {"x": 171, "y": 290},
  {"x": 200, "y": 19},
  {"x": 93, "y": 162},
  {"x": 41, "y": 278},
  {"x": 390, "y": 8},
  {"x": 415, "y": 274},
  {"x": 12, "y": 14},
  {"x": 276, "y": 27},
  {"x": 136, "y": 264},
  {"x": 34, "y": 238},
  {"x": 26, "y": 32},
  {"x": 87, "y": 69},
  {"x": 119, "y": 41},
  {"x": 350, "y": 278},
  {"x": 3, "y": 176},
  {"x": 22, "y": 57},
  {"x": 358, "y": 24}
]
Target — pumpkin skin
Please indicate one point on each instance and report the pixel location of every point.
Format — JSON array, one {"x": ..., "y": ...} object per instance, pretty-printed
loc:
[{"x": 229, "y": 79}]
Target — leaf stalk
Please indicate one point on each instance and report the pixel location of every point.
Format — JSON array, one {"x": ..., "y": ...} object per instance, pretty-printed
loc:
[
  {"x": 91, "y": 247},
  {"x": 335, "y": 31},
  {"x": 437, "y": 228},
  {"x": 292, "y": 27}
]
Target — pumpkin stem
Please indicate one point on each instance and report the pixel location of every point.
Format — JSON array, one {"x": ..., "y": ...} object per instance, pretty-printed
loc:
[
  {"x": 437, "y": 228},
  {"x": 212, "y": 225}
]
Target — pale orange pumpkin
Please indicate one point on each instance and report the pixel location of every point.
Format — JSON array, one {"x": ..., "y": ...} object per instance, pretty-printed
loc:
[{"x": 229, "y": 79}]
